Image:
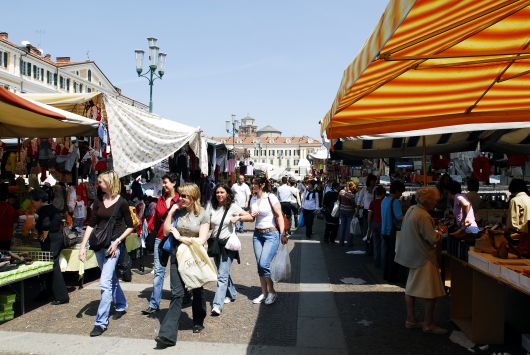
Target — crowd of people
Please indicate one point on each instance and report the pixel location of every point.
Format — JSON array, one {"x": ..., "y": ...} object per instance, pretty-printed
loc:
[{"x": 403, "y": 244}]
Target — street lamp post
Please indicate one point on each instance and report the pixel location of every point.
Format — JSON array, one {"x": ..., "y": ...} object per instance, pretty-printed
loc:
[
  {"x": 156, "y": 60},
  {"x": 233, "y": 127}
]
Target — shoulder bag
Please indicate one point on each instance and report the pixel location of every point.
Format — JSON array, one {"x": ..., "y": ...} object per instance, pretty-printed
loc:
[
  {"x": 100, "y": 236},
  {"x": 277, "y": 217},
  {"x": 151, "y": 237},
  {"x": 214, "y": 249}
]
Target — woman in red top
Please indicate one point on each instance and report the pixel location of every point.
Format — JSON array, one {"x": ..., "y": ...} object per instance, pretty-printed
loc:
[
  {"x": 156, "y": 221},
  {"x": 374, "y": 224}
]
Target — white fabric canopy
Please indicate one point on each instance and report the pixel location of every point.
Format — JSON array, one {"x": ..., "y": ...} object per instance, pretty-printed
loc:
[{"x": 141, "y": 139}]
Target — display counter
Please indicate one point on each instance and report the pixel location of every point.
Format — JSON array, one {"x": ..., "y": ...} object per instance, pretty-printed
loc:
[{"x": 478, "y": 293}]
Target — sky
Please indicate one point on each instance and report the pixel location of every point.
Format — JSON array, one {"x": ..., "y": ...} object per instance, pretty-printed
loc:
[{"x": 281, "y": 62}]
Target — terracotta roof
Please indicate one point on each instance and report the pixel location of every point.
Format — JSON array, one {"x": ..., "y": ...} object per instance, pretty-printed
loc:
[
  {"x": 267, "y": 140},
  {"x": 73, "y": 63}
]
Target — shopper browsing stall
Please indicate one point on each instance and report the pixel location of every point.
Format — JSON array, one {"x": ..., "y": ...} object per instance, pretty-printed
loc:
[
  {"x": 462, "y": 209},
  {"x": 391, "y": 217},
  {"x": 519, "y": 207},
  {"x": 49, "y": 228},
  {"x": 416, "y": 250}
]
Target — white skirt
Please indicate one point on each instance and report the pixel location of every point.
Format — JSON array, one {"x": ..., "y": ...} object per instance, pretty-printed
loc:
[{"x": 425, "y": 282}]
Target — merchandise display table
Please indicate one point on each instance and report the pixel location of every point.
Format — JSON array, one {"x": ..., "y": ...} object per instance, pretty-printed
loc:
[
  {"x": 478, "y": 294},
  {"x": 69, "y": 258}
]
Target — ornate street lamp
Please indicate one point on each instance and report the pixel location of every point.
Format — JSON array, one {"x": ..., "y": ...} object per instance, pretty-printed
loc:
[
  {"x": 156, "y": 60},
  {"x": 233, "y": 127}
]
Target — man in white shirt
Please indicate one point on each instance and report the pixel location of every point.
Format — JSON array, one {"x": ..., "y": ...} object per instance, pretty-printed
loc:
[
  {"x": 242, "y": 194},
  {"x": 285, "y": 194}
]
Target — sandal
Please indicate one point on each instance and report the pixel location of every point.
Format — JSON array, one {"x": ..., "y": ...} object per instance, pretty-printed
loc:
[
  {"x": 412, "y": 325},
  {"x": 435, "y": 330}
]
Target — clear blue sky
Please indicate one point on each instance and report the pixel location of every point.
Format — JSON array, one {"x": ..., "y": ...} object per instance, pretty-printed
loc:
[{"x": 279, "y": 61}]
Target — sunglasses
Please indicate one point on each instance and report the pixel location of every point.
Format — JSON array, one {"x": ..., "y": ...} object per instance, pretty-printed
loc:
[{"x": 183, "y": 196}]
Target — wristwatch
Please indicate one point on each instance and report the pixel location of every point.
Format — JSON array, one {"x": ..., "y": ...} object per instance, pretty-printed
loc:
[{"x": 119, "y": 241}]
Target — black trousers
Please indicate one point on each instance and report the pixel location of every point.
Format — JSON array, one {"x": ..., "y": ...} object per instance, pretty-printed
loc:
[
  {"x": 294, "y": 209},
  {"x": 170, "y": 323},
  {"x": 55, "y": 281},
  {"x": 392, "y": 271},
  {"x": 330, "y": 233},
  {"x": 287, "y": 210},
  {"x": 309, "y": 217}
]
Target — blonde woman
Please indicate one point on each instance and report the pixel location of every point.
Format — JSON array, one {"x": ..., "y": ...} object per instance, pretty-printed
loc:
[
  {"x": 346, "y": 212},
  {"x": 114, "y": 210},
  {"x": 192, "y": 222},
  {"x": 416, "y": 250}
]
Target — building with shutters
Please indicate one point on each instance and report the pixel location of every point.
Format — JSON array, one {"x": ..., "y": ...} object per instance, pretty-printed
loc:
[{"x": 25, "y": 68}]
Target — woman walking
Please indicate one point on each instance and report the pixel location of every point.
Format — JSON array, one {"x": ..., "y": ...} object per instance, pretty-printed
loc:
[
  {"x": 416, "y": 250},
  {"x": 111, "y": 211},
  {"x": 192, "y": 221},
  {"x": 264, "y": 206},
  {"x": 156, "y": 224},
  {"x": 224, "y": 214}
]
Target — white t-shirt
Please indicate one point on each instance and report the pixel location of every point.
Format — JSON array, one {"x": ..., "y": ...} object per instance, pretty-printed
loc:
[
  {"x": 285, "y": 193},
  {"x": 241, "y": 193},
  {"x": 265, "y": 218},
  {"x": 80, "y": 209},
  {"x": 215, "y": 219}
]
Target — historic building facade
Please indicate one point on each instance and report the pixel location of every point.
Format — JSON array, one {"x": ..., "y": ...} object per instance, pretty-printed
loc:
[{"x": 25, "y": 68}]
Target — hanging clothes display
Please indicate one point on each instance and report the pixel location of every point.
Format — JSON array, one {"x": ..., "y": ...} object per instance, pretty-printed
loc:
[{"x": 481, "y": 168}]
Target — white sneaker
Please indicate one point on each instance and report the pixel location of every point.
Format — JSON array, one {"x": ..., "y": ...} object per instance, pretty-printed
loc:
[
  {"x": 229, "y": 300},
  {"x": 216, "y": 311},
  {"x": 259, "y": 299},
  {"x": 271, "y": 298}
]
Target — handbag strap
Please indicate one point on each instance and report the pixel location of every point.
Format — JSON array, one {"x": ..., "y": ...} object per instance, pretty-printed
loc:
[
  {"x": 272, "y": 208},
  {"x": 163, "y": 218},
  {"x": 221, "y": 224}
]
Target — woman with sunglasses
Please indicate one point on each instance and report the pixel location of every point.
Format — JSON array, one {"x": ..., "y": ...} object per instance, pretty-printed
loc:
[
  {"x": 224, "y": 214},
  {"x": 267, "y": 235},
  {"x": 192, "y": 221},
  {"x": 103, "y": 210}
]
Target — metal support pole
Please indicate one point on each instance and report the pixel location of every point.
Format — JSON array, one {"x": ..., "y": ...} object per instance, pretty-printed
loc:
[{"x": 151, "y": 91}]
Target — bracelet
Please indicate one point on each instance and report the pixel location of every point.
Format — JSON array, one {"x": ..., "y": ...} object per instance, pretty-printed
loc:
[{"x": 118, "y": 241}]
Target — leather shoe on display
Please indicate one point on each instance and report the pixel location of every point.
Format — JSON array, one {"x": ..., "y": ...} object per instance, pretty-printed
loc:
[{"x": 97, "y": 331}]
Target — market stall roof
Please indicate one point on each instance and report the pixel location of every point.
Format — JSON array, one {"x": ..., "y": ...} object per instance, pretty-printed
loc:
[
  {"x": 139, "y": 139},
  {"x": 437, "y": 67},
  {"x": 20, "y": 117}
]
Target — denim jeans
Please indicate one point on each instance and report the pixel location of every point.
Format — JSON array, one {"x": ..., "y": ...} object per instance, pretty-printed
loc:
[
  {"x": 344, "y": 229},
  {"x": 225, "y": 286},
  {"x": 265, "y": 247},
  {"x": 170, "y": 323},
  {"x": 158, "y": 278},
  {"x": 110, "y": 288},
  {"x": 377, "y": 242}
]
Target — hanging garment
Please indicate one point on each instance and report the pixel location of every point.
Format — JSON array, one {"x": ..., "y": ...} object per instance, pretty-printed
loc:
[
  {"x": 481, "y": 168},
  {"x": 231, "y": 166},
  {"x": 440, "y": 161}
]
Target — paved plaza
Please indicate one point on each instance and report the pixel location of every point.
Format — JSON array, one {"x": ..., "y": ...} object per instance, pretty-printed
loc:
[{"x": 317, "y": 313}]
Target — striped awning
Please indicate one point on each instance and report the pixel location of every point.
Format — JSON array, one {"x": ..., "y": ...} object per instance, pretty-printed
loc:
[{"x": 435, "y": 67}]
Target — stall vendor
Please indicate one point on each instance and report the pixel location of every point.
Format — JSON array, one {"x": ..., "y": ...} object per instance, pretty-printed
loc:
[
  {"x": 462, "y": 209},
  {"x": 518, "y": 207}
]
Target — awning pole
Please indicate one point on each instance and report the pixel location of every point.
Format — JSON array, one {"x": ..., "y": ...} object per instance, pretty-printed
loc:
[{"x": 424, "y": 161}]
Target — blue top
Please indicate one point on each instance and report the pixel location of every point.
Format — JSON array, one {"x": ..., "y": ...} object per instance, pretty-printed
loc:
[{"x": 386, "y": 214}]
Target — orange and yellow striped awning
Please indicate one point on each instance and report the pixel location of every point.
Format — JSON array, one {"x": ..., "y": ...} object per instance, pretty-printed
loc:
[{"x": 434, "y": 66}]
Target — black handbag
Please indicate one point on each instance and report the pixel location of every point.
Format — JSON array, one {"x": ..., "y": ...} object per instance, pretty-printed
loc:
[
  {"x": 101, "y": 237},
  {"x": 151, "y": 237},
  {"x": 214, "y": 247}
]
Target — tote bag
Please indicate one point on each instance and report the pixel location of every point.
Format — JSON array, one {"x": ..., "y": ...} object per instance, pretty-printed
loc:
[{"x": 195, "y": 267}]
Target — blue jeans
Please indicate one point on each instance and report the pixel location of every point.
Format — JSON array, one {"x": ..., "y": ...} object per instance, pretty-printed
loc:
[
  {"x": 344, "y": 229},
  {"x": 110, "y": 288},
  {"x": 224, "y": 281},
  {"x": 377, "y": 242},
  {"x": 265, "y": 247},
  {"x": 158, "y": 278}
]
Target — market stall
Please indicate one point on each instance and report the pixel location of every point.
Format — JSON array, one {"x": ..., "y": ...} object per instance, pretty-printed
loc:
[
  {"x": 438, "y": 68},
  {"x": 139, "y": 139}
]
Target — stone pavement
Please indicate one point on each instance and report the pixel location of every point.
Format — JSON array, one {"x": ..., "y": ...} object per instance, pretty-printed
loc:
[{"x": 316, "y": 314}]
